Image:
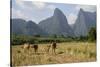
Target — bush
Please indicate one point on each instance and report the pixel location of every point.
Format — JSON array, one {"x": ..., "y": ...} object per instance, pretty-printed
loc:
[{"x": 92, "y": 34}]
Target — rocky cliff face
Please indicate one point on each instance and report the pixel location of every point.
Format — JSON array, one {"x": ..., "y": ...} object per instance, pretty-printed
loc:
[
  {"x": 57, "y": 24},
  {"x": 84, "y": 22}
]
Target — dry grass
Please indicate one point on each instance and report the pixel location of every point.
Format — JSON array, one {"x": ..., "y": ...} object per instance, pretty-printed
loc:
[{"x": 65, "y": 53}]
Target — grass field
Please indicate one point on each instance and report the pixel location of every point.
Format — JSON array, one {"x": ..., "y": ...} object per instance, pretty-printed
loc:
[{"x": 67, "y": 52}]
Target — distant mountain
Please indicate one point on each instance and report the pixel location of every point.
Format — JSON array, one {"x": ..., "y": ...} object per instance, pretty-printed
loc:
[
  {"x": 33, "y": 29},
  {"x": 57, "y": 24},
  {"x": 20, "y": 26},
  {"x": 84, "y": 22}
]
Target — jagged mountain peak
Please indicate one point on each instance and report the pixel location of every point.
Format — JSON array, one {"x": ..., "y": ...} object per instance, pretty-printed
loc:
[
  {"x": 84, "y": 22},
  {"x": 56, "y": 24},
  {"x": 58, "y": 12},
  {"x": 31, "y": 22},
  {"x": 81, "y": 10}
]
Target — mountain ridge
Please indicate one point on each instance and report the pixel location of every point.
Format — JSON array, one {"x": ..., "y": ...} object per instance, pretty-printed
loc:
[
  {"x": 84, "y": 22},
  {"x": 57, "y": 24}
]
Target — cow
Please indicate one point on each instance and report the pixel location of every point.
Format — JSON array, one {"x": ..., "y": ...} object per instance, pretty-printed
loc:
[
  {"x": 26, "y": 46},
  {"x": 48, "y": 48},
  {"x": 54, "y": 46},
  {"x": 35, "y": 47}
]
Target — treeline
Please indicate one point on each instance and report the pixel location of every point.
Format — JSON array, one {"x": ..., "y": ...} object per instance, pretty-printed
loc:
[{"x": 21, "y": 39}]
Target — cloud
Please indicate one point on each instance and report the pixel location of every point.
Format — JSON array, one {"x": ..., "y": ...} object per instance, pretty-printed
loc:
[
  {"x": 18, "y": 14},
  {"x": 30, "y": 10},
  {"x": 43, "y": 5},
  {"x": 39, "y": 5},
  {"x": 34, "y": 5},
  {"x": 71, "y": 18},
  {"x": 23, "y": 4},
  {"x": 20, "y": 3},
  {"x": 52, "y": 7},
  {"x": 90, "y": 8}
]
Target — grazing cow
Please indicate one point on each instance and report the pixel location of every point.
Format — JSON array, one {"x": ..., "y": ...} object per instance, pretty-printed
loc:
[
  {"x": 35, "y": 48},
  {"x": 48, "y": 48},
  {"x": 26, "y": 46},
  {"x": 54, "y": 45}
]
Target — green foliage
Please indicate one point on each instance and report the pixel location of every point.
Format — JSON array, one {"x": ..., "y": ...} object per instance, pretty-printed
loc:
[
  {"x": 80, "y": 38},
  {"x": 54, "y": 36},
  {"x": 21, "y": 39},
  {"x": 92, "y": 34},
  {"x": 37, "y": 35}
]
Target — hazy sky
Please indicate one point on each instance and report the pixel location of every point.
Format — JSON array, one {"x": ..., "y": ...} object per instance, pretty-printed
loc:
[{"x": 37, "y": 11}]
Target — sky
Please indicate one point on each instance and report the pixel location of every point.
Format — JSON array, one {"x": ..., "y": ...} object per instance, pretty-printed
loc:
[{"x": 38, "y": 11}]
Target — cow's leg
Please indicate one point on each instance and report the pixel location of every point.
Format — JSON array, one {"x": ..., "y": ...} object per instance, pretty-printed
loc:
[
  {"x": 48, "y": 49},
  {"x": 54, "y": 50},
  {"x": 35, "y": 50}
]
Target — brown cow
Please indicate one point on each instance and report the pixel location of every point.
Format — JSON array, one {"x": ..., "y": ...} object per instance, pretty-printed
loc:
[
  {"x": 26, "y": 46},
  {"x": 35, "y": 47},
  {"x": 54, "y": 45}
]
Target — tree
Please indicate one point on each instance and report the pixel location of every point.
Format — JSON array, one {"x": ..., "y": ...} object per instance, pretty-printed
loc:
[
  {"x": 92, "y": 34},
  {"x": 54, "y": 36},
  {"x": 37, "y": 35}
]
